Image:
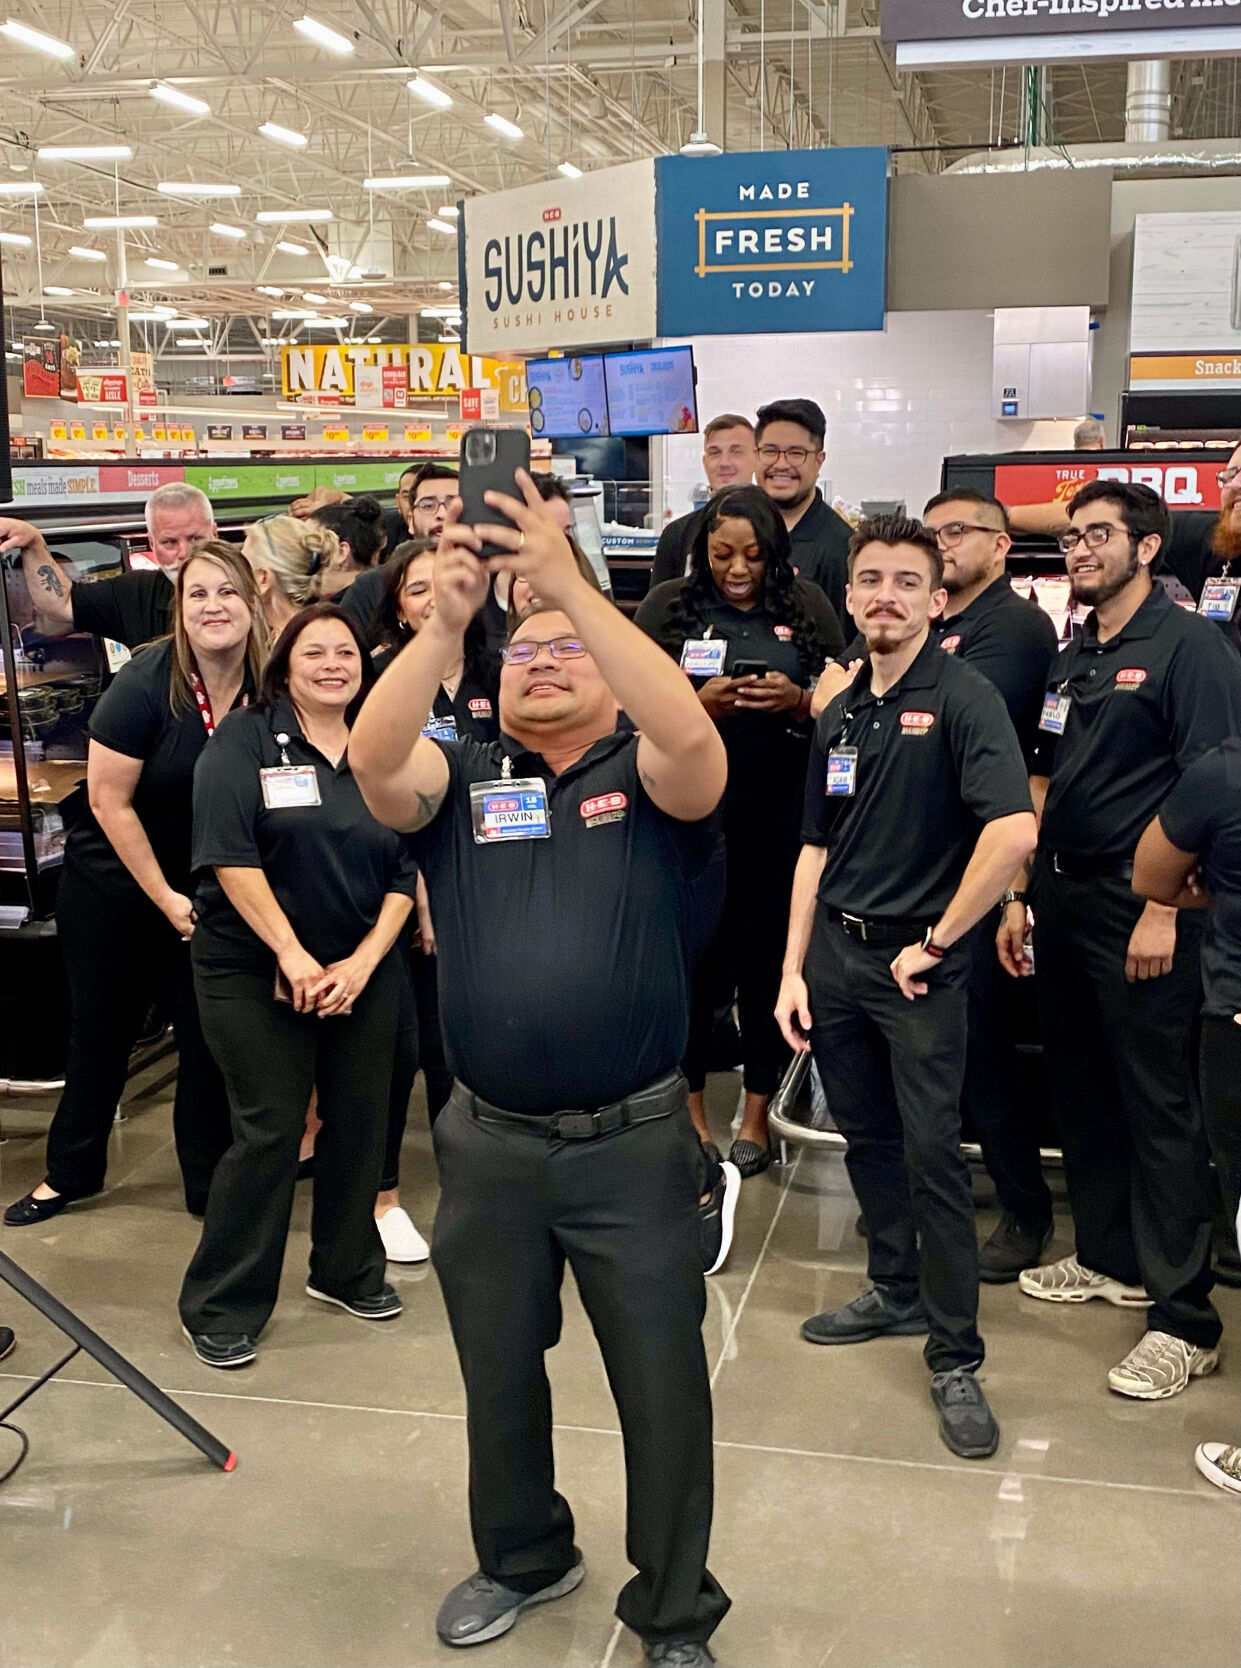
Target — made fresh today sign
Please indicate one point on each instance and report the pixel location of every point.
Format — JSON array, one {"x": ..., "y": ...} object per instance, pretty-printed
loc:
[{"x": 770, "y": 241}]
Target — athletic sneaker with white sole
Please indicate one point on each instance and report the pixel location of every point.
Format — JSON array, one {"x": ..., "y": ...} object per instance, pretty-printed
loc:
[
  {"x": 402, "y": 1241},
  {"x": 1067, "y": 1281},
  {"x": 478, "y": 1608},
  {"x": 1160, "y": 1365},
  {"x": 1219, "y": 1464}
]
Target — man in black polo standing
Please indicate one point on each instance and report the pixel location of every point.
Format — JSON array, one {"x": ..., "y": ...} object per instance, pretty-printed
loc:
[
  {"x": 561, "y": 865},
  {"x": 1144, "y": 691},
  {"x": 790, "y": 436},
  {"x": 915, "y": 733}
]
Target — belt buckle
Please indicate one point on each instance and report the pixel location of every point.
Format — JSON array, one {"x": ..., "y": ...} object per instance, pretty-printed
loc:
[
  {"x": 577, "y": 1126},
  {"x": 854, "y": 921}
]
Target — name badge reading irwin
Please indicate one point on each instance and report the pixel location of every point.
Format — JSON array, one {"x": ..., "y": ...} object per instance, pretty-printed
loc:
[
  {"x": 842, "y": 773},
  {"x": 287, "y": 786},
  {"x": 703, "y": 657},
  {"x": 1219, "y": 599},
  {"x": 509, "y": 810},
  {"x": 1055, "y": 714}
]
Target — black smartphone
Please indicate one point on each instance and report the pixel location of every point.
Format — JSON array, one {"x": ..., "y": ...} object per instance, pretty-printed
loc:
[
  {"x": 748, "y": 669},
  {"x": 490, "y": 459}
]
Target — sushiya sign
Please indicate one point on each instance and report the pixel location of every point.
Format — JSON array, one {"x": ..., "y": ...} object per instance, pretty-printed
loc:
[{"x": 915, "y": 27}]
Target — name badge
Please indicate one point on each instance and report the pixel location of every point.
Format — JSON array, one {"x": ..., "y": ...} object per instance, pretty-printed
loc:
[
  {"x": 842, "y": 773},
  {"x": 1219, "y": 599},
  {"x": 287, "y": 786},
  {"x": 440, "y": 729},
  {"x": 704, "y": 657},
  {"x": 1055, "y": 714},
  {"x": 509, "y": 810}
]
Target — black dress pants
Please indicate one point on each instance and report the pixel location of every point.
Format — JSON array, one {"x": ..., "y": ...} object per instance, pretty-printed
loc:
[
  {"x": 997, "y": 1098},
  {"x": 118, "y": 951},
  {"x": 404, "y": 1069},
  {"x": 1120, "y": 1058},
  {"x": 272, "y": 1058},
  {"x": 623, "y": 1210},
  {"x": 419, "y": 1046},
  {"x": 892, "y": 1071},
  {"x": 1221, "y": 1106}
]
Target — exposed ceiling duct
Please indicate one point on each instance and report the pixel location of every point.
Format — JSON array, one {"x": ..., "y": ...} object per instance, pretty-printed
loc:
[{"x": 1168, "y": 158}]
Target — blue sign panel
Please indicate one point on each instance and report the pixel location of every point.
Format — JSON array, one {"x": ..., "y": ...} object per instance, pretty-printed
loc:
[{"x": 758, "y": 241}]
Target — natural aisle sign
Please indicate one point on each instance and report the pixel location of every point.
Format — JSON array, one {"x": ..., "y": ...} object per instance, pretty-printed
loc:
[{"x": 434, "y": 371}]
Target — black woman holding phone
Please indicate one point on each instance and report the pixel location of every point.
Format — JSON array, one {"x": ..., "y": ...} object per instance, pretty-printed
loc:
[
  {"x": 123, "y": 912},
  {"x": 746, "y": 630},
  {"x": 303, "y": 897}
]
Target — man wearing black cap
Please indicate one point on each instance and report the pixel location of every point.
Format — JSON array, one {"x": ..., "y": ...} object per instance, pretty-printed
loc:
[{"x": 790, "y": 436}]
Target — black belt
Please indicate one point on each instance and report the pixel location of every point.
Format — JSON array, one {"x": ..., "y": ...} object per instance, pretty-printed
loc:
[
  {"x": 659, "y": 1100},
  {"x": 882, "y": 932},
  {"x": 1090, "y": 868}
]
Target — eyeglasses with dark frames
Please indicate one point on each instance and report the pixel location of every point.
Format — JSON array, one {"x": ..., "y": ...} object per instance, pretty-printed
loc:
[{"x": 560, "y": 648}]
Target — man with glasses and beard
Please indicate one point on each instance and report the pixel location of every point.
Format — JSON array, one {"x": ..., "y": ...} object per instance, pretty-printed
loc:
[
  {"x": 790, "y": 436},
  {"x": 1144, "y": 691},
  {"x": 423, "y": 496}
]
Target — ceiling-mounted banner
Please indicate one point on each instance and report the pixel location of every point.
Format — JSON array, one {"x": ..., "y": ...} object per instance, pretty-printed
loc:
[
  {"x": 927, "y": 32},
  {"x": 768, "y": 241},
  {"x": 569, "y": 263}
]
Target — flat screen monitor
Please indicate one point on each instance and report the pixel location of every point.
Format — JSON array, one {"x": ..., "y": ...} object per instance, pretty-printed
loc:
[
  {"x": 652, "y": 392},
  {"x": 567, "y": 397}
]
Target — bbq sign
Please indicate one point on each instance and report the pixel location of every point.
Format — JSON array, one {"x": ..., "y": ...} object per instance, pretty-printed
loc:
[{"x": 772, "y": 241}]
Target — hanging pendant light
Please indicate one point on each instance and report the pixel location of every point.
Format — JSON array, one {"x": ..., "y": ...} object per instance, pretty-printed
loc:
[{"x": 698, "y": 143}]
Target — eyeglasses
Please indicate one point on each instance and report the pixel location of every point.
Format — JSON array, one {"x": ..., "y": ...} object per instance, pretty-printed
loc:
[
  {"x": 1095, "y": 536},
  {"x": 796, "y": 455},
  {"x": 1227, "y": 476},
  {"x": 561, "y": 648},
  {"x": 952, "y": 532},
  {"x": 428, "y": 506}
]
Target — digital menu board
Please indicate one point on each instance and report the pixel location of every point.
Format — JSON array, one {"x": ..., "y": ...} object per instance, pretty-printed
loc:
[
  {"x": 567, "y": 397},
  {"x": 652, "y": 392}
]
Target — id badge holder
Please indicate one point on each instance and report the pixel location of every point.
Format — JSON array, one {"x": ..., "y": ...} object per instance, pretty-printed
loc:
[
  {"x": 1055, "y": 713},
  {"x": 441, "y": 729},
  {"x": 842, "y": 773},
  {"x": 514, "y": 808},
  {"x": 704, "y": 657},
  {"x": 1219, "y": 598},
  {"x": 285, "y": 787}
]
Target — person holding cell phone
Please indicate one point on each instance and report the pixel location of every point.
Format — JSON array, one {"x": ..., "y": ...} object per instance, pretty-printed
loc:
[
  {"x": 301, "y": 902},
  {"x": 748, "y": 632}
]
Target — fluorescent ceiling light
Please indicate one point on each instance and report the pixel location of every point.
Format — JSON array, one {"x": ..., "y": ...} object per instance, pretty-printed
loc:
[
  {"x": 279, "y": 217},
  {"x": 315, "y": 300},
  {"x": 1035, "y": 49},
  {"x": 439, "y": 312},
  {"x": 501, "y": 124},
  {"x": 293, "y": 313},
  {"x": 323, "y": 36},
  {"x": 272, "y": 341},
  {"x": 284, "y": 135},
  {"x": 164, "y": 266},
  {"x": 84, "y": 153},
  {"x": 38, "y": 40},
  {"x": 426, "y": 90},
  {"x": 269, "y": 289},
  {"x": 118, "y": 222},
  {"x": 19, "y": 240},
  {"x": 445, "y": 285},
  {"x": 20, "y": 188},
  {"x": 374, "y": 338},
  {"x": 159, "y": 315},
  {"x": 182, "y": 101},
  {"x": 56, "y": 289},
  {"x": 292, "y": 248},
  {"x": 189, "y": 324},
  {"x": 448, "y": 211},
  {"x": 445, "y": 226},
  {"x": 406, "y": 182},
  {"x": 193, "y": 188},
  {"x": 221, "y": 230},
  {"x": 83, "y": 253},
  {"x": 569, "y": 171},
  {"x": 361, "y": 307}
]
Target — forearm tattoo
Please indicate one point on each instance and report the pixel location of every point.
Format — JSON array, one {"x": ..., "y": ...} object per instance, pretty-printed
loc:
[{"x": 52, "y": 582}]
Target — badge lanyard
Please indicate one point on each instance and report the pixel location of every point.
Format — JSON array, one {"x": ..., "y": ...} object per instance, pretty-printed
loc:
[
  {"x": 1220, "y": 596},
  {"x": 288, "y": 786},
  {"x": 704, "y": 657},
  {"x": 514, "y": 808},
  {"x": 204, "y": 702},
  {"x": 1055, "y": 714},
  {"x": 842, "y": 765}
]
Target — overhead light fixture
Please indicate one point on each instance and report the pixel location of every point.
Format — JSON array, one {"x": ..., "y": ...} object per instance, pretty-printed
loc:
[
  {"x": 321, "y": 35},
  {"x": 181, "y": 101},
  {"x": 426, "y": 90},
  {"x": 280, "y": 217},
  {"x": 189, "y": 324},
  {"x": 406, "y": 182},
  {"x": 315, "y": 300},
  {"x": 219, "y": 229},
  {"x": 84, "y": 153},
  {"x": 118, "y": 222},
  {"x": 445, "y": 285},
  {"x": 157, "y": 315},
  {"x": 698, "y": 144},
  {"x": 20, "y": 188},
  {"x": 269, "y": 289},
  {"x": 569, "y": 171},
  {"x": 361, "y": 307},
  {"x": 286, "y": 248},
  {"x": 37, "y": 39},
  {"x": 328, "y": 324},
  {"x": 445, "y": 226},
  {"x": 284, "y": 135},
  {"x": 439, "y": 312},
  {"x": 194, "y": 188},
  {"x": 56, "y": 289},
  {"x": 293, "y": 313},
  {"x": 44, "y": 325},
  {"x": 164, "y": 266},
  {"x": 448, "y": 211},
  {"x": 83, "y": 253},
  {"x": 501, "y": 124},
  {"x": 19, "y": 240},
  {"x": 272, "y": 341}
]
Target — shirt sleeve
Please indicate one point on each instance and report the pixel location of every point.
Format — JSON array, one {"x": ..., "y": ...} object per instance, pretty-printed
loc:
[
  {"x": 403, "y": 874},
  {"x": 1202, "y": 693},
  {"x": 816, "y": 809},
  {"x": 228, "y": 799},
  {"x": 825, "y": 618},
  {"x": 1189, "y": 813},
  {"x": 1189, "y": 556},
  {"x": 669, "y": 560},
  {"x": 652, "y": 616},
  {"x": 1014, "y": 650},
  {"x": 128, "y": 717},
  {"x": 856, "y": 650},
  {"x": 990, "y": 768},
  {"x": 133, "y": 608}
]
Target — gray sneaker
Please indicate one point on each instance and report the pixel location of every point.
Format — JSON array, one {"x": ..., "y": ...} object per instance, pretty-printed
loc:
[
  {"x": 873, "y": 1315},
  {"x": 680, "y": 1653},
  {"x": 966, "y": 1423},
  {"x": 479, "y": 1608}
]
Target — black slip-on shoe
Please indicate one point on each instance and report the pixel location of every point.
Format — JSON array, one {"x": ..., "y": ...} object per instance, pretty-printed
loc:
[
  {"x": 1011, "y": 1248},
  {"x": 750, "y": 1158},
  {"x": 25, "y": 1212},
  {"x": 478, "y": 1608},
  {"x": 222, "y": 1349},
  {"x": 873, "y": 1315},
  {"x": 384, "y": 1305},
  {"x": 966, "y": 1423}
]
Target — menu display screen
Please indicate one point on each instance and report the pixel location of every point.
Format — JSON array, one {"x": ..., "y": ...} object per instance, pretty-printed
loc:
[
  {"x": 652, "y": 392},
  {"x": 568, "y": 399}
]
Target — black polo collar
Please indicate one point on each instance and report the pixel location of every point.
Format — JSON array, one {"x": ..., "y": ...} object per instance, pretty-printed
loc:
[
  {"x": 924, "y": 673},
  {"x": 999, "y": 592},
  {"x": 1145, "y": 623},
  {"x": 526, "y": 762}
]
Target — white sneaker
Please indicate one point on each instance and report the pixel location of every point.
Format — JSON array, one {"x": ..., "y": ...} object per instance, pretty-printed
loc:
[
  {"x": 1067, "y": 1281},
  {"x": 1219, "y": 1464},
  {"x": 402, "y": 1241},
  {"x": 1160, "y": 1365}
]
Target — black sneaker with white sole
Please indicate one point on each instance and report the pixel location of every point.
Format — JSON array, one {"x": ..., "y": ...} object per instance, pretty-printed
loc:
[
  {"x": 1012, "y": 1247},
  {"x": 222, "y": 1349},
  {"x": 479, "y": 1609},
  {"x": 384, "y": 1305}
]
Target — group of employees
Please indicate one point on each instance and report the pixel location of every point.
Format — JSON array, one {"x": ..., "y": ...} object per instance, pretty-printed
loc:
[{"x": 545, "y": 825}]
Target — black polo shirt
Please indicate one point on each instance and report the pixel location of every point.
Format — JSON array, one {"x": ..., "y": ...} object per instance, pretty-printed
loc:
[
  {"x": 134, "y": 716},
  {"x": 1142, "y": 707},
  {"x": 361, "y": 600},
  {"x": 330, "y": 865},
  {"x": 133, "y": 608},
  {"x": 562, "y": 961},
  {"x": 676, "y": 543},
  {"x": 474, "y": 710},
  {"x": 821, "y": 552},
  {"x": 1190, "y": 559},
  {"x": 1202, "y": 815},
  {"x": 937, "y": 758}
]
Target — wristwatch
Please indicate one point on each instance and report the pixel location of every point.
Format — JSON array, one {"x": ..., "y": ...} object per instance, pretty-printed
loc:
[
  {"x": 1012, "y": 897},
  {"x": 930, "y": 946}
]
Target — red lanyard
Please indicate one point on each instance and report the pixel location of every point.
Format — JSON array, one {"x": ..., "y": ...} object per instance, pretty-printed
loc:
[{"x": 204, "y": 705}]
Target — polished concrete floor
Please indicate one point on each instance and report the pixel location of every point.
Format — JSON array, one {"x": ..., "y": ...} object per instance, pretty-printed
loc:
[{"x": 845, "y": 1532}]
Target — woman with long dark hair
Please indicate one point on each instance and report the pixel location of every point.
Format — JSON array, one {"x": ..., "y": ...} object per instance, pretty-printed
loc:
[
  {"x": 751, "y": 635},
  {"x": 466, "y": 702}
]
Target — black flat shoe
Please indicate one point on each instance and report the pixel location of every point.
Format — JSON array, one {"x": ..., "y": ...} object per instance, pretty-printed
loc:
[
  {"x": 26, "y": 1212},
  {"x": 749, "y": 1157}
]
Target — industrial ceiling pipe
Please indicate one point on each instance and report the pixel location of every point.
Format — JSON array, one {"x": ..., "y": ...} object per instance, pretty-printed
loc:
[{"x": 1148, "y": 102}]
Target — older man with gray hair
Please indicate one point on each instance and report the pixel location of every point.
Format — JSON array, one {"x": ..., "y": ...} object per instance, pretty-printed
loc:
[
  {"x": 1090, "y": 436},
  {"x": 134, "y": 607}
]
